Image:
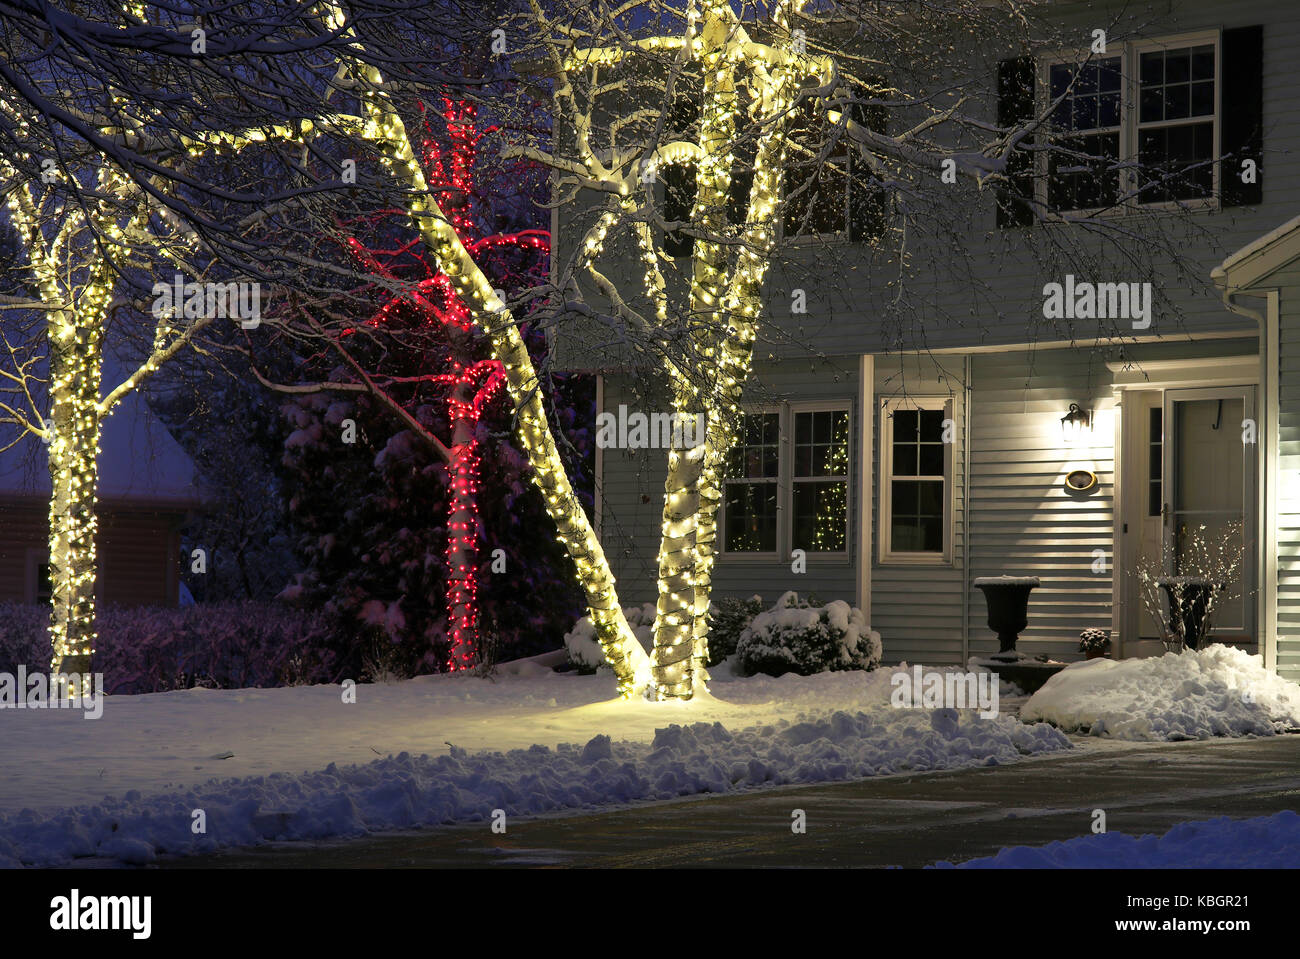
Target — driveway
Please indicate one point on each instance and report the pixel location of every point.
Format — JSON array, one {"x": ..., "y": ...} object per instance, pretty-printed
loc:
[{"x": 905, "y": 821}]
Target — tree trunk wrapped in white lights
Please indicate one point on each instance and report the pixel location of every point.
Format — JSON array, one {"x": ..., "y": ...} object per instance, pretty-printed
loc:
[{"x": 385, "y": 129}]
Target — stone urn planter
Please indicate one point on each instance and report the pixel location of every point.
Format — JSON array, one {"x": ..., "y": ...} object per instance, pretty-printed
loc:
[
  {"x": 1189, "y": 597},
  {"x": 1008, "y": 602}
]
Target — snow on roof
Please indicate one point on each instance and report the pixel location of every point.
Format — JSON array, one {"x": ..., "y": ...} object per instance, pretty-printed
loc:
[
  {"x": 1257, "y": 246},
  {"x": 139, "y": 459}
]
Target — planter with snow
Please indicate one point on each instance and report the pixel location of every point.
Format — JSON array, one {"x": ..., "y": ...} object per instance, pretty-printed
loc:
[
  {"x": 1189, "y": 598},
  {"x": 1008, "y": 602}
]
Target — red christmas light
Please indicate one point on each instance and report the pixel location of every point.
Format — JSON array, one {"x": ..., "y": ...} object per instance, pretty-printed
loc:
[{"x": 471, "y": 386}]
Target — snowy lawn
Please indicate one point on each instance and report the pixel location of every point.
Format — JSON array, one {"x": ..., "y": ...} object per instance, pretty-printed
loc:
[
  {"x": 299, "y": 763},
  {"x": 1268, "y": 842},
  {"x": 1218, "y": 691}
]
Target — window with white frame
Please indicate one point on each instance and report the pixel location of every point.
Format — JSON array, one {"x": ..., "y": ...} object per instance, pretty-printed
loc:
[
  {"x": 820, "y": 481},
  {"x": 1140, "y": 122},
  {"x": 753, "y": 475},
  {"x": 787, "y": 484},
  {"x": 915, "y": 480}
]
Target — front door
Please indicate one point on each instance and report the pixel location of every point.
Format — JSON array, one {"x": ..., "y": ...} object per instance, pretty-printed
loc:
[{"x": 1208, "y": 494}]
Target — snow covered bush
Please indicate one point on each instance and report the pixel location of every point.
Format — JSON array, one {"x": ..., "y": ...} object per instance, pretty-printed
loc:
[
  {"x": 728, "y": 618},
  {"x": 1216, "y": 691},
  {"x": 797, "y": 637},
  {"x": 583, "y": 649},
  {"x": 220, "y": 645}
]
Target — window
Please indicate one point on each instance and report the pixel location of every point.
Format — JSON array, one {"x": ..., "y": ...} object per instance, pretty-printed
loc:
[
  {"x": 820, "y": 482},
  {"x": 915, "y": 480},
  {"x": 1176, "y": 123},
  {"x": 827, "y": 188},
  {"x": 816, "y": 186},
  {"x": 751, "y": 486},
  {"x": 787, "y": 484},
  {"x": 1140, "y": 123},
  {"x": 38, "y": 589},
  {"x": 1084, "y": 174}
]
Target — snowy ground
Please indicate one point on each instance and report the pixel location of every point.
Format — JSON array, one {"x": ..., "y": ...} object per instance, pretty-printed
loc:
[
  {"x": 1218, "y": 691},
  {"x": 1268, "y": 842},
  {"x": 300, "y": 763}
]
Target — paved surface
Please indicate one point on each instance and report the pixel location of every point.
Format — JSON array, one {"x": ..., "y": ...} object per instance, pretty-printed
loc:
[{"x": 890, "y": 821}]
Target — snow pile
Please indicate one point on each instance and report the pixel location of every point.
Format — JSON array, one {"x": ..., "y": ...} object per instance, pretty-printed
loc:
[
  {"x": 835, "y": 726},
  {"x": 1216, "y": 691},
  {"x": 1268, "y": 842},
  {"x": 584, "y": 649},
  {"x": 794, "y": 636}
]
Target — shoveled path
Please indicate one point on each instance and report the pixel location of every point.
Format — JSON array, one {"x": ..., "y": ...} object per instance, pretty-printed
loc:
[{"x": 888, "y": 821}]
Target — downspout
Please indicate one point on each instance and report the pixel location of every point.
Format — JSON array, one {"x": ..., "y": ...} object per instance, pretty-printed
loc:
[{"x": 965, "y": 512}]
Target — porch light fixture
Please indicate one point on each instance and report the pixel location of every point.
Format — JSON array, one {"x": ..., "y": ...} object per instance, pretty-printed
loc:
[{"x": 1075, "y": 422}]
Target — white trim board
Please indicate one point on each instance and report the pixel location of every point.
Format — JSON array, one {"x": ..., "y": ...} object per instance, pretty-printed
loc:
[{"x": 1201, "y": 371}]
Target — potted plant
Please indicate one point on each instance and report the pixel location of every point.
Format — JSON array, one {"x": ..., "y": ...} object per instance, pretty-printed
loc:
[{"x": 1094, "y": 642}]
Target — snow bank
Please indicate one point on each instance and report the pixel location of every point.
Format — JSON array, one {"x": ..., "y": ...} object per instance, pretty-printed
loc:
[
  {"x": 540, "y": 742},
  {"x": 1268, "y": 842},
  {"x": 1217, "y": 691}
]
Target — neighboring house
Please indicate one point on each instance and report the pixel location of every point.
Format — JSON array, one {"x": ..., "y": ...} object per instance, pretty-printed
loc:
[
  {"x": 147, "y": 490},
  {"x": 846, "y": 457}
]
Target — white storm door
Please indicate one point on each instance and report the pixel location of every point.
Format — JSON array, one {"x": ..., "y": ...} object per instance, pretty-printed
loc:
[{"x": 1209, "y": 488}]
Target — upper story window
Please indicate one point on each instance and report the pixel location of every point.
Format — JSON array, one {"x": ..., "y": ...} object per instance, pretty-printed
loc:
[
  {"x": 1138, "y": 124},
  {"x": 827, "y": 189},
  {"x": 816, "y": 180},
  {"x": 1176, "y": 122},
  {"x": 1084, "y": 173}
]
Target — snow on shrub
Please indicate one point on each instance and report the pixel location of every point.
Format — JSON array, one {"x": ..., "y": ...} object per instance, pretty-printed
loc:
[
  {"x": 583, "y": 648},
  {"x": 728, "y": 618},
  {"x": 1196, "y": 694},
  {"x": 796, "y": 637},
  {"x": 154, "y": 649}
]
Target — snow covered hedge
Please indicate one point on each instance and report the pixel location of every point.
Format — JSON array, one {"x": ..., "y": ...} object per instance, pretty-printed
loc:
[
  {"x": 794, "y": 637},
  {"x": 1196, "y": 694},
  {"x": 220, "y": 645},
  {"x": 797, "y": 637},
  {"x": 583, "y": 649}
]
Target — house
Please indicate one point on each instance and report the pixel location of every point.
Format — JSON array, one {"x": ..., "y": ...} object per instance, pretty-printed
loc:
[
  {"x": 1052, "y": 425},
  {"x": 147, "y": 490}
]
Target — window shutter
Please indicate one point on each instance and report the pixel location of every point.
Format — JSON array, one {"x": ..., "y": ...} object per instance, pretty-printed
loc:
[
  {"x": 867, "y": 202},
  {"x": 1241, "y": 125},
  {"x": 679, "y": 179},
  {"x": 1016, "y": 107}
]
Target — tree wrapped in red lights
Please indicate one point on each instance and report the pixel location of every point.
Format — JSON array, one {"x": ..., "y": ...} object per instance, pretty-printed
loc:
[{"x": 430, "y": 349}]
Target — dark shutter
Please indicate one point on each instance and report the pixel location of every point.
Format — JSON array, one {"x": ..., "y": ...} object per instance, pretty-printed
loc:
[
  {"x": 1241, "y": 127},
  {"x": 867, "y": 200},
  {"x": 1015, "y": 108},
  {"x": 679, "y": 179}
]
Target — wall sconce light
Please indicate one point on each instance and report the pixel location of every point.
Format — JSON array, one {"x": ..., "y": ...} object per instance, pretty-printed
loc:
[{"x": 1075, "y": 423}]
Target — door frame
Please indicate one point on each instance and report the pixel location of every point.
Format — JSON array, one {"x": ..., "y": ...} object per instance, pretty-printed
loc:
[
  {"x": 1248, "y": 393},
  {"x": 1130, "y": 380}
]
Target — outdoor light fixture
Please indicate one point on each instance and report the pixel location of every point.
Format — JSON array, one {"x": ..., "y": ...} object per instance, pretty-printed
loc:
[{"x": 1075, "y": 422}]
